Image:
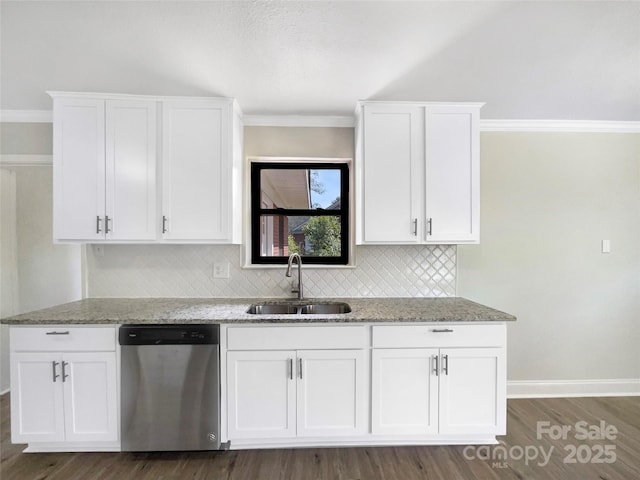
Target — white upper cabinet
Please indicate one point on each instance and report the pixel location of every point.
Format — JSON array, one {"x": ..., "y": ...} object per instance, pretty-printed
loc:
[
  {"x": 131, "y": 170},
  {"x": 452, "y": 174},
  {"x": 391, "y": 184},
  {"x": 107, "y": 172},
  {"x": 78, "y": 169},
  {"x": 104, "y": 168},
  {"x": 201, "y": 170},
  {"x": 418, "y": 173}
]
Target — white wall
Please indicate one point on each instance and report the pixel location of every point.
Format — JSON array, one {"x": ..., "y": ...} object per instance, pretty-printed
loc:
[
  {"x": 8, "y": 266},
  {"x": 48, "y": 274},
  {"x": 548, "y": 200}
]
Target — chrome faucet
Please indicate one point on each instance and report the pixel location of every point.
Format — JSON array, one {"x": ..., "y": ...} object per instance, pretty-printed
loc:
[{"x": 292, "y": 257}]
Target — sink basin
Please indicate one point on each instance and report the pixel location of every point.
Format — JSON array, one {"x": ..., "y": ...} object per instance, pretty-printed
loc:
[
  {"x": 291, "y": 309},
  {"x": 273, "y": 309},
  {"x": 325, "y": 308}
]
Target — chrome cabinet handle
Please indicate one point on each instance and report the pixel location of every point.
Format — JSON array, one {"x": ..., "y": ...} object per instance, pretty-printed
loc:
[
  {"x": 164, "y": 224},
  {"x": 435, "y": 368},
  {"x": 415, "y": 227},
  {"x": 445, "y": 364},
  {"x": 54, "y": 364},
  {"x": 106, "y": 224},
  {"x": 66, "y": 332},
  {"x": 442, "y": 330},
  {"x": 64, "y": 371},
  {"x": 429, "y": 226},
  {"x": 300, "y": 368},
  {"x": 98, "y": 220},
  {"x": 291, "y": 369}
]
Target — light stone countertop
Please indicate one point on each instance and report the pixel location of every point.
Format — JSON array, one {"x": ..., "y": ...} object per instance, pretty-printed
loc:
[{"x": 234, "y": 310}]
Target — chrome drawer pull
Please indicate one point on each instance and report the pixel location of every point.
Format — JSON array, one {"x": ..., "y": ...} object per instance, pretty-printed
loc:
[
  {"x": 58, "y": 333},
  {"x": 442, "y": 330}
]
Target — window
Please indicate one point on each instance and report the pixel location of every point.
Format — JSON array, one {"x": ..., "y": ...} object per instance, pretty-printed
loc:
[{"x": 300, "y": 207}]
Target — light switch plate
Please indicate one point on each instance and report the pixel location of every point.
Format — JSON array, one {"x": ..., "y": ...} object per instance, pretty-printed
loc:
[
  {"x": 221, "y": 270},
  {"x": 606, "y": 246}
]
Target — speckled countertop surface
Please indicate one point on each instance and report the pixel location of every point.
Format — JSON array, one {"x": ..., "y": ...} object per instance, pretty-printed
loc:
[{"x": 234, "y": 310}]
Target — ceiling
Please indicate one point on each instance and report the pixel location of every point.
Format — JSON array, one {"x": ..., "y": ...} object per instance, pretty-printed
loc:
[{"x": 527, "y": 60}]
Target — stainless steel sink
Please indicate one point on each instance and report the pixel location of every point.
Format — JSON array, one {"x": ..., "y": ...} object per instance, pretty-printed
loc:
[
  {"x": 273, "y": 309},
  {"x": 325, "y": 308},
  {"x": 316, "y": 308}
]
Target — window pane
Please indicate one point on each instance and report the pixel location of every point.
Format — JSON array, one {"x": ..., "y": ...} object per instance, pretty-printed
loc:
[
  {"x": 300, "y": 188},
  {"x": 281, "y": 235}
]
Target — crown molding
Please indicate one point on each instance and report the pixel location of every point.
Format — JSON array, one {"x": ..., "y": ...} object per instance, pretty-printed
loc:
[
  {"x": 486, "y": 125},
  {"x": 566, "y": 126},
  {"x": 25, "y": 160},
  {"x": 298, "y": 121}
]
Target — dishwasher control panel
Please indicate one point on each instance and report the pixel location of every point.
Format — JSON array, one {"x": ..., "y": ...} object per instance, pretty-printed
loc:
[{"x": 169, "y": 334}]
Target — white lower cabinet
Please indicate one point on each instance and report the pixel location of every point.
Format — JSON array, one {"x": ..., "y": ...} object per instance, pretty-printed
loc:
[
  {"x": 472, "y": 394},
  {"x": 393, "y": 384},
  {"x": 63, "y": 397},
  {"x": 405, "y": 394},
  {"x": 457, "y": 391},
  {"x": 295, "y": 383},
  {"x": 261, "y": 394},
  {"x": 331, "y": 393},
  {"x": 305, "y": 393}
]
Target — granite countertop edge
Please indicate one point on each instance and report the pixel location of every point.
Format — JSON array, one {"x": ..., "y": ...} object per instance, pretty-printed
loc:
[{"x": 234, "y": 311}]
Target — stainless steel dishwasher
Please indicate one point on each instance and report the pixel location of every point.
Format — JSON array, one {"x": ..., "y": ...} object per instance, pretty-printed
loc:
[{"x": 170, "y": 387}]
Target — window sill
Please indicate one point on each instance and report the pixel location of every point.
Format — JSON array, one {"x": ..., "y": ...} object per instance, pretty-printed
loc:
[{"x": 305, "y": 266}]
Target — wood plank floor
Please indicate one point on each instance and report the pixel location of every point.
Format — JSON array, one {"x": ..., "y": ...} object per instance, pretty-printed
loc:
[{"x": 401, "y": 463}]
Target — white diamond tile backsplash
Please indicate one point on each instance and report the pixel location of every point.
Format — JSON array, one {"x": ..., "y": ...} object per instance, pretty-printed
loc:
[{"x": 187, "y": 271}]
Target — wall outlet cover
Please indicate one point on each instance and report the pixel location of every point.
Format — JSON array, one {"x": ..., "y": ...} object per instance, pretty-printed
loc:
[{"x": 221, "y": 270}]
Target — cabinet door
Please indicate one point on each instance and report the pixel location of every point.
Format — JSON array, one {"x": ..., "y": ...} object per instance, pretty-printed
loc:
[
  {"x": 404, "y": 391},
  {"x": 452, "y": 173},
  {"x": 392, "y": 174},
  {"x": 90, "y": 396},
  {"x": 36, "y": 398},
  {"x": 261, "y": 394},
  {"x": 472, "y": 391},
  {"x": 196, "y": 170},
  {"x": 78, "y": 169},
  {"x": 131, "y": 170},
  {"x": 332, "y": 395}
]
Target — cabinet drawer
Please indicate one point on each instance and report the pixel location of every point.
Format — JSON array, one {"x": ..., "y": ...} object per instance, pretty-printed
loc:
[
  {"x": 63, "y": 338},
  {"x": 439, "y": 335},
  {"x": 295, "y": 338}
]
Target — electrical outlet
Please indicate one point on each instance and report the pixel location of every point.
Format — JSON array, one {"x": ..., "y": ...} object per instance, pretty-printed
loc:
[{"x": 221, "y": 270}]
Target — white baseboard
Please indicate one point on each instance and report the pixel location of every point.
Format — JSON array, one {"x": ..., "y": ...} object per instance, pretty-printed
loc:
[{"x": 573, "y": 388}]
